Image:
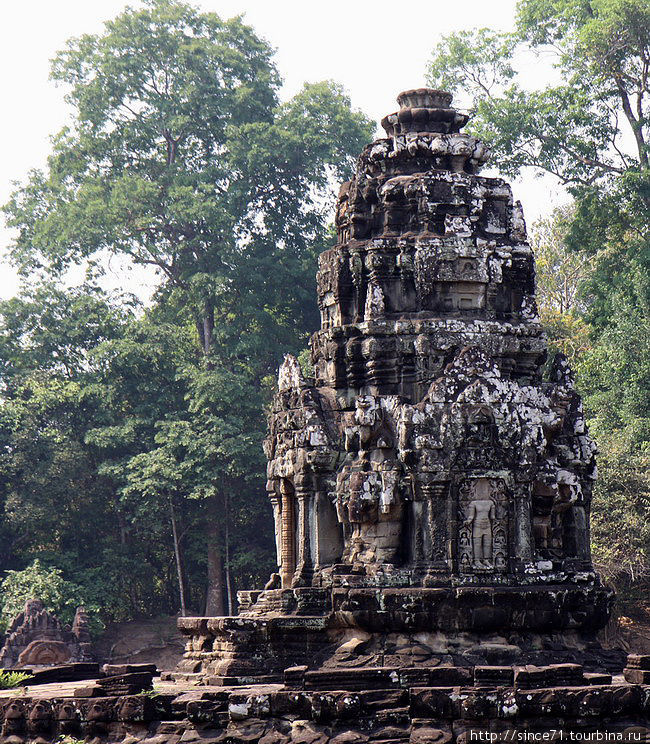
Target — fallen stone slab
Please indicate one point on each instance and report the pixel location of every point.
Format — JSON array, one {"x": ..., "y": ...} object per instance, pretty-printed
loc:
[
  {"x": 143, "y": 679},
  {"x": 117, "y": 685},
  {"x": 493, "y": 676},
  {"x": 364, "y": 678},
  {"x": 63, "y": 673},
  {"x": 112, "y": 670},
  {"x": 598, "y": 678}
]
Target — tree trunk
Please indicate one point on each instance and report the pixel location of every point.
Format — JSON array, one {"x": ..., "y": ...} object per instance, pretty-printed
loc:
[
  {"x": 207, "y": 331},
  {"x": 214, "y": 605},
  {"x": 123, "y": 542},
  {"x": 635, "y": 124},
  {"x": 179, "y": 559},
  {"x": 229, "y": 593}
]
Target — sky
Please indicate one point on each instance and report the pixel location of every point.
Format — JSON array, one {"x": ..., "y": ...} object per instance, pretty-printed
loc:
[{"x": 375, "y": 49}]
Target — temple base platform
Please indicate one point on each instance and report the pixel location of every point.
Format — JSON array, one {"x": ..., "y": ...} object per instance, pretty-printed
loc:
[
  {"x": 386, "y": 705},
  {"x": 344, "y": 628}
]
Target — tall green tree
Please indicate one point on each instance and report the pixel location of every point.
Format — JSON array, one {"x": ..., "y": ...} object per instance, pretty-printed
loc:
[
  {"x": 593, "y": 123},
  {"x": 106, "y": 452},
  {"x": 181, "y": 158},
  {"x": 55, "y": 506},
  {"x": 615, "y": 379}
]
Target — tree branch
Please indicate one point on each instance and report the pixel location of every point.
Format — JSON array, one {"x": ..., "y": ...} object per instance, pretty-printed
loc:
[
  {"x": 634, "y": 124},
  {"x": 582, "y": 158}
]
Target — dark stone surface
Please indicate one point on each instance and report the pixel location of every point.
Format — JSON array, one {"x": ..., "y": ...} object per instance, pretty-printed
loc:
[
  {"x": 111, "y": 670},
  {"x": 63, "y": 673},
  {"x": 448, "y": 708}
]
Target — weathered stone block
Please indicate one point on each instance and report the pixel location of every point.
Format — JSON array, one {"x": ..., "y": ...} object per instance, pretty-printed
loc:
[
  {"x": 493, "y": 676},
  {"x": 436, "y": 703},
  {"x": 638, "y": 661},
  {"x": 637, "y": 676}
]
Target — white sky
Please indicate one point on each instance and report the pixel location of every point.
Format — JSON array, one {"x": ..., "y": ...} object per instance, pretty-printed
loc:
[{"x": 375, "y": 49}]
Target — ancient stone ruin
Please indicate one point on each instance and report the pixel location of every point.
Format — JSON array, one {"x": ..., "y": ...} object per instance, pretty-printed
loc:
[
  {"x": 37, "y": 638},
  {"x": 431, "y": 483},
  {"x": 431, "y": 486}
]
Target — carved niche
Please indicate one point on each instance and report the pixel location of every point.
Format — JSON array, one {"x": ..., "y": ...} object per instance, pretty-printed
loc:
[
  {"x": 481, "y": 447},
  {"x": 482, "y": 526}
]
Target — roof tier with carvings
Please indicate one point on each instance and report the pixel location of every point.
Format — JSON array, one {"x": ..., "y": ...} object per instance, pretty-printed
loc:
[{"x": 430, "y": 257}]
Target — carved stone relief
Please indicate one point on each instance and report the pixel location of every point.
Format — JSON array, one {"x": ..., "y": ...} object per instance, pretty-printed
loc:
[{"x": 483, "y": 526}]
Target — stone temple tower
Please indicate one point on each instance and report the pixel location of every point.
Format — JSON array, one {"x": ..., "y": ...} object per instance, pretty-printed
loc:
[{"x": 431, "y": 482}]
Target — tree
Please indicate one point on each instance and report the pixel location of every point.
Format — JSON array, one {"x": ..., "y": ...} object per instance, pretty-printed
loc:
[
  {"x": 54, "y": 329},
  {"x": 561, "y": 278},
  {"x": 615, "y": 378},
  {"x": 181, "y": 159},
  {"x": 81, "y": 408},
  {"x": 575, "y": 130},
  {"x": 137, "y": 378},
  {"x": 55, "y": 507}
]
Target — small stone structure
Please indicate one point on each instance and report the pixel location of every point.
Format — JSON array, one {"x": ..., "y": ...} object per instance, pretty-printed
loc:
[
  {"x": 36, "y": 638},
  {"x": 431, "y": 484}
]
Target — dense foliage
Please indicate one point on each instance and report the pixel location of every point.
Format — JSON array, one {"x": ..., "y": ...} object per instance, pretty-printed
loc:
[
  {"x": 130, "y": 437},
  {"x": 590, "y": 130}
]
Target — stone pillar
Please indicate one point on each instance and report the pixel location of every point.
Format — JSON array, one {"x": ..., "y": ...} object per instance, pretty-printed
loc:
[
  {"x": 288, "y": 562},
  {"x": 305, "y": 569},
  {"x": 451, "y": 538},
  {"x": 432, "y": 523},
  {"x": 438, "y": 521},
  {"x": 277, "y": 520}
]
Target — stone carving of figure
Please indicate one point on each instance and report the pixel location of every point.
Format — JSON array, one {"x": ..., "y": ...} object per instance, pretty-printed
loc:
[
  {"x": 480, "y": 517},
  {"x": 375, "y": 303},
  {"x": 365, "y": 426}
]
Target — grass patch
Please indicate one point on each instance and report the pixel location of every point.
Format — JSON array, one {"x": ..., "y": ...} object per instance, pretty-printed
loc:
[{"x": 9, "y": 680}]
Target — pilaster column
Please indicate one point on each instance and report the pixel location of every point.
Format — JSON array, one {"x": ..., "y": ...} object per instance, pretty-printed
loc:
[
  {"x": 432, "y": 528},
  {"x": 581, "y": 529},
  {"x": 304, "y": 570},
  {"x": 435, "y": 492},
  {"x": 277, "y": 521},
  {"x": 288, "y": 562}
]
